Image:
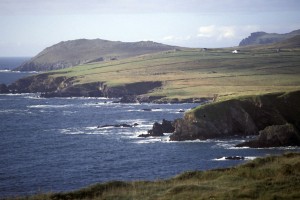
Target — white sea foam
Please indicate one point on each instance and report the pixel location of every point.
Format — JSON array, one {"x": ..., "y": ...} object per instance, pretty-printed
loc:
[
  {"x": 50, "y": 106},
  {"x": 148, "y": 140},
  {"x": 71, "y": 131},
  {"x": 245, "y": 158},
  {"x": 69, "y": 112},
  {"x": 34, "y": 97},
  {"x": 9, "y": 111},
  {"x": 17, "y": 94}
]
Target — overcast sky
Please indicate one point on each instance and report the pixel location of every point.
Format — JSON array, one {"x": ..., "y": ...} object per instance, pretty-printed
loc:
[{"x": 29, "y": 26}]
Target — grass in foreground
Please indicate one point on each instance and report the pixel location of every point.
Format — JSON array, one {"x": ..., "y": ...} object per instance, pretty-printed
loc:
[{"x": 275, "y": 177}]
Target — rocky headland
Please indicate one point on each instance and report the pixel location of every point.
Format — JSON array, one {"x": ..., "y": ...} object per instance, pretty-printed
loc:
[
  {"x": 82, "y": 51},
  {"x": 260, "y": 38},
  {"x": 49, "y": 85},
  {"x": 274, "y": 117},
  {"x": 60, "y": 86}
]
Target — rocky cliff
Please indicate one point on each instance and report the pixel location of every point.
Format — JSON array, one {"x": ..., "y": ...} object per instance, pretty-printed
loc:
[
  {"x": 243, "y": 116},
  {"x": 76, "y": 52},
  {"x": 267, "y": 38},
  {"x": 51, "y": 86}
]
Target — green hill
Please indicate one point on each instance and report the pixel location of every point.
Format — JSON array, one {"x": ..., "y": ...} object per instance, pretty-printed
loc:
[
  {"x": 77, "y": 52},
  {"x": 182, "y": 74}
]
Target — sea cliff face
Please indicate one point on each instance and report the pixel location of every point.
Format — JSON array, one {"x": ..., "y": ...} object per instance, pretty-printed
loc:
[
  {"x": 243, "y": 116},
  {"x": 258, "y": 38},
  {"x": 61, "y": 86}
]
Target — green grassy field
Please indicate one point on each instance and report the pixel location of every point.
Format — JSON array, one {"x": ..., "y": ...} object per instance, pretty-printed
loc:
[
  {"x": 189, "y": 73},
  {"x": 275, "y": 177}
]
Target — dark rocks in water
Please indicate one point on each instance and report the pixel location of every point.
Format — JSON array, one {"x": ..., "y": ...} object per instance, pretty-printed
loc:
[
  {"x": 181, "y": 111},
  {"x": 117, "y": 125},
  {"x": 146, "y": 109},
  {"x": 129, "y": 99},
  {"x": 149, "y": 109},
  {"x": 235, "y": 158},
  {"x": 275, "y": 136},
  {"x": 3, "y": 89},
  {"x": 144, "y": 135},
  {"x": 167, "y": 126},
  {"x": 159, "y": 129}
]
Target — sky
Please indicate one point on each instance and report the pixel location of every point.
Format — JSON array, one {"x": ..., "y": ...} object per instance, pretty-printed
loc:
[{"x": 29, "y": 26}]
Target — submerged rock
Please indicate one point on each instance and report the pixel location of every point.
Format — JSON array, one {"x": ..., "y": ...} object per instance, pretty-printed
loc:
[{"x": 117, "y": 125}]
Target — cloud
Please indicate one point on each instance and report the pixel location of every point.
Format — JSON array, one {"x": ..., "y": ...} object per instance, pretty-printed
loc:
[
  {"x": 218, "y": 32},
  {"x": 225, "y": 32},
  {"x": 176, "y": 38}
]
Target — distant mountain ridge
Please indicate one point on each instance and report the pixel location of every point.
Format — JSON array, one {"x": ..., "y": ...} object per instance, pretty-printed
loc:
[
  {"x": 257, "y": 38},
  {"x": 74, "y": 52}
]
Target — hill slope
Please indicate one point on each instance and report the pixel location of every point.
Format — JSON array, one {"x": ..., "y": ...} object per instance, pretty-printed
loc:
[
  {"x": 267, "y": 38},
  {"x": 75, "y": 52},
  {"x": 180, "y": 74}
]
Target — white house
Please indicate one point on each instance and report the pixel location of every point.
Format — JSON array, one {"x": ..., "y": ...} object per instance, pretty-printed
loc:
[{"x": 235, "y": 51}]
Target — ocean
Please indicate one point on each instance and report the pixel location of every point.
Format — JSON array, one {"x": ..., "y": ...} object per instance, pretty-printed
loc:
[
  {"x": 51, "y": 145},
  {"x": 7, "y": 64}
]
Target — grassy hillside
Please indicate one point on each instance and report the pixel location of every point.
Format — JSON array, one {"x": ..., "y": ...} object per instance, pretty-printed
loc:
[
  {"x": 75, "y": 52},
  {"x": 191, "y": 73},
  {"x": 276, "y": 177}
]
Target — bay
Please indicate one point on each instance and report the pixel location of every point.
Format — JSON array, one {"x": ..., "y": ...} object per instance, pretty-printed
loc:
[{"x": 50, "y": 145}]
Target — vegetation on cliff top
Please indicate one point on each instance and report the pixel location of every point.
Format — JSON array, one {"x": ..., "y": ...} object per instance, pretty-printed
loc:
[
  {"x": 215, "y": 110},
  {"x": 275, "y": 177},
  {"x": 194, "y": 73},
  {"x": 75, "y": 52}
]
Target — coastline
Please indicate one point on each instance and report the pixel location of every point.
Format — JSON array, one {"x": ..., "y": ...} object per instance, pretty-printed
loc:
[{"x": 243, "y": 181}]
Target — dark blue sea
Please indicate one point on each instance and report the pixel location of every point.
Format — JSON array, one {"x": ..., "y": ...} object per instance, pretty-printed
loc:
[
  {"x": 50, "y": 145},
  {"x": 9, "y": 63}
]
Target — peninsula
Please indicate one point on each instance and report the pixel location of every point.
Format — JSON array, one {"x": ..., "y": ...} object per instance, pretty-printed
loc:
[{"x": 254, "y": 88}]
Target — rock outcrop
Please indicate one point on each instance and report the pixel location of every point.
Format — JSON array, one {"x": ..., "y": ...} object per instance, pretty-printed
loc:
[
  {"x": 275, "y": 136},
  {"x": 243, "y": 116},
  {"x": 159, "y": 129},
  {"x": 50, "y": 85},
  {"x": 118, "y": 125},
  {"x": 267, "y": 38}
]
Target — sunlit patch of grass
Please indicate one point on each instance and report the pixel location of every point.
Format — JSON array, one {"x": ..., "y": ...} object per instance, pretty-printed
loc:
[{"x": 192, "y": 73}]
